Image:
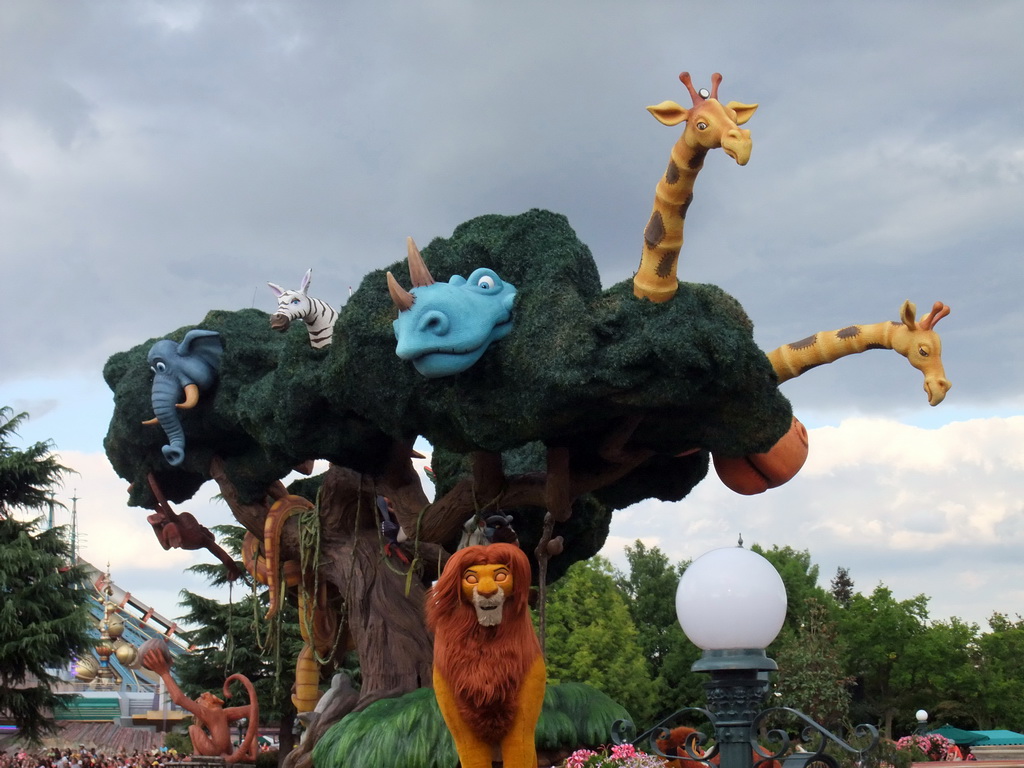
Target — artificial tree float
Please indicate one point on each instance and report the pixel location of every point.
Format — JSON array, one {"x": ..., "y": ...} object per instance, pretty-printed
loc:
[{"x": 545, "y": 398}]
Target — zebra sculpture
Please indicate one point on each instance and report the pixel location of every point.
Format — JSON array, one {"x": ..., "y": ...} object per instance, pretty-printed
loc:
[{"x": 318, "y": 315}]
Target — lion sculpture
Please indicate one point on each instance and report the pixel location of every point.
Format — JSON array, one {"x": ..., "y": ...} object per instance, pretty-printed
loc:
[{"x": 489, "y": 673}]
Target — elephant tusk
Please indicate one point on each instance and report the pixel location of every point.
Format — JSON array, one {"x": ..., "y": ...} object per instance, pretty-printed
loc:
[
  {"x": 191, "y": 397},
  {"x": 151, "y": 422}
]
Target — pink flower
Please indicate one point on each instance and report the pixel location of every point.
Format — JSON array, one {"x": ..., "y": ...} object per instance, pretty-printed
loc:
[
  {"x": 623, "y": 751},
  {"x": 579, "y": 758}
]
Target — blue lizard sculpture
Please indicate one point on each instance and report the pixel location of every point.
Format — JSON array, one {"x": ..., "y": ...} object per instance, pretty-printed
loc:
[{"x": 444, "y": 328}]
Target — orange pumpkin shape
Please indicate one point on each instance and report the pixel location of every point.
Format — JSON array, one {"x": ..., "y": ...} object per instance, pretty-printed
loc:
[{"x": 758, "y": 472}]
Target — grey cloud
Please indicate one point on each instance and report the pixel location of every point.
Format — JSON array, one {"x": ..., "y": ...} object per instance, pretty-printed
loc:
[{"x": 223, "y": 145}]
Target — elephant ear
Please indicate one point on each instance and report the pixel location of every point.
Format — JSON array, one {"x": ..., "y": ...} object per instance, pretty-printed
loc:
[{"x": 205, "y": 345}]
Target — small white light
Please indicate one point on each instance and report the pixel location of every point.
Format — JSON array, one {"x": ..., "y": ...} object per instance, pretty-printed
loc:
[
  {"x": 922, "y": 716},
  {"x": 730, "y": 599}
]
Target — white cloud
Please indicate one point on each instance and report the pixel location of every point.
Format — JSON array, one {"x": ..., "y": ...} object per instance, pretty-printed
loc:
[{"x": 937, "y": 511}]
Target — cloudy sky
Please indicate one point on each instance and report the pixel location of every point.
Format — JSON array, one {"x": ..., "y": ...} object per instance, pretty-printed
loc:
[{"x": 161, "y": 159}]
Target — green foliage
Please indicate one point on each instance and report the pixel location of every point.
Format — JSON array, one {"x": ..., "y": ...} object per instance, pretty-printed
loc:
[
  {"x": 268, "y": 759},
  {"x": 800, "y": 577},
  {"x": 1001, "y": 668},
  {"x": 28, "y": 475},
  {"x": 179, "y": 742},
  {"x": 576, "y": 714},
  {"x": 879, "y": 630},
  {"x": 578, "y": 364},
  {"x": 233, "y": 637},
  {"x": 44, "y": 619},
  {"x": 409, "y": 730},
  {"x": 877, "y": 660},
  {"x": 811, "y": 676},
  {"x": 939, "y": 670},
  {"x": 592, "y": 639},
  {"x": 650, "y": 590},
  {"x": 842, "y": 587}
]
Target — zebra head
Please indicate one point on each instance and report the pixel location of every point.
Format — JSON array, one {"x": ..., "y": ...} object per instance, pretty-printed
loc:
[
  {"x": 291, "y": 305},
  {"x": 318, "y": 315}
]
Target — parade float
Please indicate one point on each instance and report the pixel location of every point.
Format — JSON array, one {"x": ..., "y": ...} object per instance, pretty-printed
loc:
[{"x": 548, "y": 401}]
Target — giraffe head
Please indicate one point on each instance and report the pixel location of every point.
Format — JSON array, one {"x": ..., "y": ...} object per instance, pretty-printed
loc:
[
  {"x": 709, "y": 123},
  {"x": 921, "y": 345}
]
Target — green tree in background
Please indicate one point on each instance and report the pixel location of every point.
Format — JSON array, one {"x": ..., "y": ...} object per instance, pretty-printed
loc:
[
  {"x": 650, "y": 591},
  {"x": 811, "y": 677},
  {"x": 800, "y": 577},
  {"x": 880, "y": 631},
  {"x": 939, "y": 673},
  {"x": 44, "y": 619},
  {"x": 1001, "y": 668},
  {"x": 233, "y": 637},
  {"x": 842, "y": 587},
  {"x": 843, "y": 657},
  {"x": 591, "y": 638}
]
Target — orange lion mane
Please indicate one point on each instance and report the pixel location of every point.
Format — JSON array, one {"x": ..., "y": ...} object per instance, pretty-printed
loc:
[{"x": 483, "y": 666}]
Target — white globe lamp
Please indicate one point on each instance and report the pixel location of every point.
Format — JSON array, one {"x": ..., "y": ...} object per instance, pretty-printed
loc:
[{"x": 731, "y": 603}]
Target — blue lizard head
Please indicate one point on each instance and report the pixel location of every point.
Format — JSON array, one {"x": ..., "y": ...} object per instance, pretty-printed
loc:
[{"x": 444, "y": 328}]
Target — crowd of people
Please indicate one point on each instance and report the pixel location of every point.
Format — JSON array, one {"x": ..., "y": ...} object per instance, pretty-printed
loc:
[{"x": 83, "y": 757}]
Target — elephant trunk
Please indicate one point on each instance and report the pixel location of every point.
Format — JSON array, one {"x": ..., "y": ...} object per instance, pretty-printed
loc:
[{"x": 165, "y": 394}]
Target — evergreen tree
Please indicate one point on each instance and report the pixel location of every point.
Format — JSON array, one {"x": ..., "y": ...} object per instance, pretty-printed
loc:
[
  {"x": 44, "y": 619},
  {"x": 842, "y": 587},
  {"x": 592, "y": 639},
  {"x": 232, "y": 638}
]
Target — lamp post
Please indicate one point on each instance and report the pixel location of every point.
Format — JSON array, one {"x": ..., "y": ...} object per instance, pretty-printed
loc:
[
  {"x": 922, "y": 721},
  {"x": 731, "y": 603}
]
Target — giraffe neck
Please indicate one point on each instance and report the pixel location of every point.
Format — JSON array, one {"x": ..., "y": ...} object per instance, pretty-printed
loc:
[
  {"x": 663, "y": 235},
  {"x": 791, "y": 360}
]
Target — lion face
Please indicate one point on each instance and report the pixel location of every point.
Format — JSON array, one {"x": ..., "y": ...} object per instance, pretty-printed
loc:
[{"x": 486, "y": 587}]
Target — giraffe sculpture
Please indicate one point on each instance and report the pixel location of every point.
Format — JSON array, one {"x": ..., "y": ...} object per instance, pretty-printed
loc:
[
  {"x": 709, "y": 125},
  {"x": 916, "y": 340}
]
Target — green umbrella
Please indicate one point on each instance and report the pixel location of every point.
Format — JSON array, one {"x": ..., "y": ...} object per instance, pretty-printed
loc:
[{"x": 959, "y": 736}]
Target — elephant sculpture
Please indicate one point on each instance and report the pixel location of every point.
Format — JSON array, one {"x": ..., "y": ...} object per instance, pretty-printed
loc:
[{"x": 180, "y": 372}]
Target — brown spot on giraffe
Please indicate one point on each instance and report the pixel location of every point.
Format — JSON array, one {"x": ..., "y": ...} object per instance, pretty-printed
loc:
[
  {"x": 697, "y": 159},
  {"x": 654, "y": 232},
  {"x": 685, "y": 206},
  {"x": 672, "y": 174},
  {"x": 804, "y": 369},
  {"x": 915, "y": 339},
  {"x": 667, "y": 264},
  {"x": 810, "y": 341}
]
